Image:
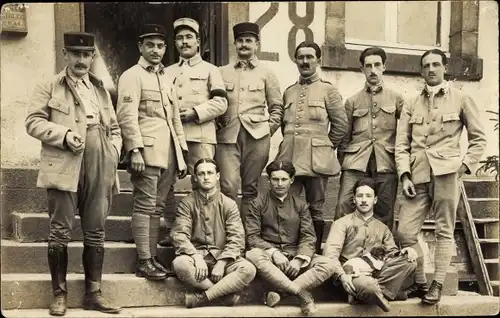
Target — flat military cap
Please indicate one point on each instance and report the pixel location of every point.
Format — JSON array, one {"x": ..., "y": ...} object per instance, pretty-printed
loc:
[
  {"x": 246, "y": 28},
  {"x": 187, "y": 22},
  {"x": 80, "y": 41},
  {"x": 152, "y": 29}
]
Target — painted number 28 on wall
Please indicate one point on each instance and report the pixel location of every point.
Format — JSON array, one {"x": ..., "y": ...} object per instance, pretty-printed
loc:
[{"x": 299, "y": 23}]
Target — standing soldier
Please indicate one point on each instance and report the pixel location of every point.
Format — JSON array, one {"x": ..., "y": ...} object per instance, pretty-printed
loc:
[
  {"x": 201, "y": 97},
  {"x": 367, "y": 150},
  {"x": 254, "y": 114},
  {"x": 74, "y": 119},
  {"x": 154, "y": 144},
  {"x": 430, "y": 166},
  {"x": 313, "y": 125}
]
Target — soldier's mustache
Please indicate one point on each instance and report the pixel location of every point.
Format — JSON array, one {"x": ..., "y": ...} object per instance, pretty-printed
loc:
[{"x": 79, "y": 65}]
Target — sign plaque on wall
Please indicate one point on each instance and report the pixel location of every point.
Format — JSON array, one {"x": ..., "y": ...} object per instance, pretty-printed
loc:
[{"x": 13, "y": 18}]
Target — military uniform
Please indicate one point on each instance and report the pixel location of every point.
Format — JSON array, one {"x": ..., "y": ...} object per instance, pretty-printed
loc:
[
  {"x": 284, "y": 225},
  {"x": 367, "y": 150},
  {"x": 245, "y": 129},
  {"x": 84, "y": 181},
  {"x": 313, "y": 124},
  {"x": 352, "y": 236},
  {"x": 151, "y": 124},
  {"x": 428, "y": 150},
  {"x": 211, "y": 226},
  {"x": 198, "y": 86}
]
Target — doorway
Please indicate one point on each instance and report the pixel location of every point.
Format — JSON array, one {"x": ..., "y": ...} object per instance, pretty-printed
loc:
[{"x": 116, "y": 28}]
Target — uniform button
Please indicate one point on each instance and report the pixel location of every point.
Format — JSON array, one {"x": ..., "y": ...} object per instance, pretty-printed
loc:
[
  {"x": 207, "y": 219},
  {"x": 50, "y": 163},
  {"x": 241, "y": 102},
  {"x": 374, "y": 104},
  {"x": 297, "y": 126},
  {"x": 374, "y": 139},
  {"x": 428, "y": 122},
  {"x": 77, "y": 103},
  {"x": 180, "y": 97},
  {"x": 296, "y": 133},
  {"x": 427, "y": 147},
  {"x": 433, "y": 119},
  {"x": 300, "y": 102},
  {"x": 302, "y": 95},
  {"x": 180, "y": 85},
  {"x": 373, "y": 126},
  {"x": 77, "y": 120},
  {"x": 426, "y": 135},
  {"x": 373, "y": 116},
  {"x": 242, "y": 89},
  {"x": 297, "y": 117}
]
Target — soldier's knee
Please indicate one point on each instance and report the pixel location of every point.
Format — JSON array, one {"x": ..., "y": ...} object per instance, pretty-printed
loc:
[
  {"x": 59, "y": 237},
  {"x": 182, "y": 266},
  {"x": 406, "y": 237},
  {"x": 255, "y": 255},
  {"x": 247, "y": 272}
]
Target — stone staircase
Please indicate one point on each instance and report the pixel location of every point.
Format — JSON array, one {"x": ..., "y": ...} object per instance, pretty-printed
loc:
[{"x": 25, "y": 278}]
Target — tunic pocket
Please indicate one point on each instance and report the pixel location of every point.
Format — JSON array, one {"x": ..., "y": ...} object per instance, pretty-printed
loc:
[
  {"x": 323, "y": 157},
  {"x": 317, "y": 110},
  {"x": 360, "y": 120},
  {"x": 152, "y": 100},
  {"x": 451, "y": 123}
]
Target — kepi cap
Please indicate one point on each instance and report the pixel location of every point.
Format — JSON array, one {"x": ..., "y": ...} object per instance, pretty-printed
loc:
[
  {"x": 79, "y": 41},
  {"x": 151, "y": 30},
  {"x": 187, "y": 22},
  {"x": 246, "y": 28}
]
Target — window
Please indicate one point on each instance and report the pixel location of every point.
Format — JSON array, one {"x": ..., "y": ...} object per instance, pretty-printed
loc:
[{"x": 398, "y": 26}]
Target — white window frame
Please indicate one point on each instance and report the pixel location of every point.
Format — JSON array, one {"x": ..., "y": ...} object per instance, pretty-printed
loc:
[{"x": 391, "y": 33}]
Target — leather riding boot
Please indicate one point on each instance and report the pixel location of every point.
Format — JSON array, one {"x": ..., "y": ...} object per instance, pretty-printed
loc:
[
  {"x": 159, "y": 265},
  {"x": 433, "y": 296},
  {"x": 58, "y": 264},
  {"x": 146, "y": 268},
  {"x": 319, "y": 227},
  {"x": 166, "y": 242},
  {"x": 93, "y": 258}
]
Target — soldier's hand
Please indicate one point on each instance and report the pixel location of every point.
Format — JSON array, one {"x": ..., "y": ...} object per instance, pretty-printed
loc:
[
  {"x": 137, "y": 162},
  {"x": 75, "y": 142},
  {"x": 182, "y": 174},
  {"x": 188, "y": 115},
  {"x": 346, "y": 281},
  {"x": 408, "y": 188},
  {"x": 201, "y": 272},
  {"x": 280, "y": 260},
  {"x": 462, "y": 170},
  {"x": 293, "y": 268},
  {"x": 218, "y": 271},
  {"x": 412, "y": 254}
]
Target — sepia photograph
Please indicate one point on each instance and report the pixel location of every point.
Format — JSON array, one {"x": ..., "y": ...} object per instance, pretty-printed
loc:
[{"x": 249, "y": 159}]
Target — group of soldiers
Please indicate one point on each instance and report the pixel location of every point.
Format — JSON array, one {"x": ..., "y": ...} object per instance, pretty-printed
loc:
[{"x": 215, "y": 124}]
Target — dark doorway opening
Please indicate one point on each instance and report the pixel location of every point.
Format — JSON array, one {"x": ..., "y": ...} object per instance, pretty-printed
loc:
[{"x": 116, "y": 26}]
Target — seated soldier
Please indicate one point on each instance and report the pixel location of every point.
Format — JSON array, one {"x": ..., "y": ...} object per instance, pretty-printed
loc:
[
  {"x": 209, "y": 239},
  {"x": 356, "y": 234},
  {"x": 281, "y": 239}
]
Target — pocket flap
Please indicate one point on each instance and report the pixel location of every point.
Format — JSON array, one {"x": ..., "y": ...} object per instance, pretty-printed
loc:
[
  {"x": 256, "y": 87},
  {"x": 360, "y": 112},
  {"x": 416, "y": 120},
  {"x": 229, "y": 86},
  {"x": 198, "y": 77},
  {"x": 450, "y": 117},
  {"x": 352, "y": 148},
  {"x": 389, "y": 109},
  {"x": 316, "y": 103},
  {"x": 389, "y": 148},
  {"x": 449, "y": 153},
  {"x": 323, "y": 142},
  {"x": 58, "y": 105},
  {"x": 150, "y": 95},
  {"x": 258, "y": 118},
  {"x": 148, "y": 140}
]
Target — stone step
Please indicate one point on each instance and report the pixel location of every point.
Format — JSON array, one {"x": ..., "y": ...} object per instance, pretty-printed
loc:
[
  {"x": 32, "y": 257},
  {"x": 481, "y": 187},
  {"x": 495, "y": 285},
  {"x": 34, "y": 227},
  {"x": 467, "y": 304},
  {"x": 127, "y": 290}
]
